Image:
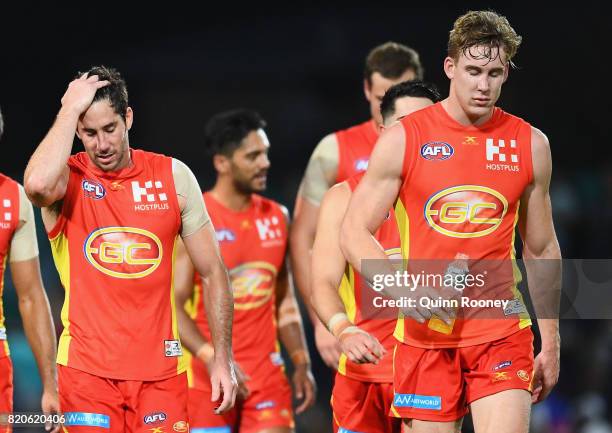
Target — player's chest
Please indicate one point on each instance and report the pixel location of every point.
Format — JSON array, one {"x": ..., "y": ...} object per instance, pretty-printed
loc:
[
  {"x": 133, "y": 199},
  {"x": 483, "y": 164},
  {"x": 251, "y": 238}
]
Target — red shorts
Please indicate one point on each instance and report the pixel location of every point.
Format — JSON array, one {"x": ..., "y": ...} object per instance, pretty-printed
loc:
[
  {"x": 6, "y": 389},
  {"x": 268, "y": 405},
  {"x": 362, "y": 406},
  {"x": 439, "y": 384},
  {"x": 122, "y": 405}
]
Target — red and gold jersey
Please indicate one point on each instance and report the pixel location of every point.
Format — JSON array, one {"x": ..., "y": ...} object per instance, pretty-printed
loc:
[
  {"x": 358, "y": 298},
  {"x": 355, "y": 145},
  {"x": 113, "y": 246},
  {"x": 253, "y": 244},
  {"x": 460, "y": 195},
  {"x": 9, "y": 221}
]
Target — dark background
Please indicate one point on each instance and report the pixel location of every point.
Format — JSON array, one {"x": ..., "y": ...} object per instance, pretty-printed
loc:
[{"x": 301, "y": 67}]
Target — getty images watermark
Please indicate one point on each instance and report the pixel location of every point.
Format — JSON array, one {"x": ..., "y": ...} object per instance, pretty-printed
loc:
[{"x": 485, "y": 289}]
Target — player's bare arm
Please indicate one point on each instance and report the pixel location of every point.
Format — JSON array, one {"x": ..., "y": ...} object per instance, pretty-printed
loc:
[
  {"x": 291, "y": 332},
  {"x": 320, "y": 175},
  {"x": 191, "y": 337},
  {"x": 38, "y": 326},
  {"x": 46, "y": 175},
  {"x": 372, "y": 199},
  {"x": 543, "y": 264},
  {"x": 33, "y": 303},
  {"x": 328, "y": 266},
  {"x": 368, "y": 207},
  {"x": 203, "y": 249}
]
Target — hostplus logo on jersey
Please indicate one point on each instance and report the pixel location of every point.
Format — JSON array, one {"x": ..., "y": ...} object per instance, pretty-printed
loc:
[
  {"x": 269, "y": 231},
  {"x": 418, "y": 401},
  {"x": 93, "y": 189},
  {"x": 502, "y": 156},
  {"x": 149, "y": 196},
  {"x": 362, "y": 164}
]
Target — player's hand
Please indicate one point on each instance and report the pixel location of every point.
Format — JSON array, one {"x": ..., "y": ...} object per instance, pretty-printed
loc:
[
  {"x": 242, "y": 378},
  {"x": 361, "y": 347},
  {"x": 50, "y": 406},
  {"x": 305, "y": 387},
  {"x": 545, "y": 374},
  {"x": 420, "y": 312},
  {"x": 327, "y": 345},
  {"x": 81, "y": 92},
  {"x": 224, "y": 383}
]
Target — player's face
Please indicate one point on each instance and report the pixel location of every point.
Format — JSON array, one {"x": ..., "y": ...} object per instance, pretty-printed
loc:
[
  {"x": 250, "y": 163},
  {"x": 476, "y": 80},
  {"x": 404, "y": 106},
  {"x": 379, "y": 85},
  {"x": 104, "y": 134}
]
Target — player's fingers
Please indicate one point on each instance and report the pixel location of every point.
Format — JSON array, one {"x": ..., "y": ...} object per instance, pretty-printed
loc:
[
  {"x": 226, "y": 403},
  {"x": 442, "y": 314},
  {"x": 101, "y": 84},
  {"x": 425, "y": 313},
  {"x": 92, "y": 78},
  {"x": 374, "y": 347},
  {"x": 308, "y": 397},
  {"x": 214, "y": 383}
]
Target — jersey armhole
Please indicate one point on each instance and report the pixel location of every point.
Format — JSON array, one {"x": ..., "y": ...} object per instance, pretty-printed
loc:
[
  {"x": 62, "y": 204},
  {"x": 407, "y": 162}
]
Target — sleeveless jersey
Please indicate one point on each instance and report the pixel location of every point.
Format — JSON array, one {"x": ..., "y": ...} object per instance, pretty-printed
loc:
[
  {"x": 253, "y": 244},
  {"x": 355, "y": 145},
  {"x": 460, "y": 195},
  {"x": 358, "y": 299},
  {"x": 9, "y": 221},
  {"x": 113, "y": 246}
]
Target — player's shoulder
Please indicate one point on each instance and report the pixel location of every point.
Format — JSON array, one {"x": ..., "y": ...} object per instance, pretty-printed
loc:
[
  {"x": 5, "y": 179},
  {"x": 506, "y": 118},
  {"x": 355, "y": 128},
  {"x": 267, "y": 205}
]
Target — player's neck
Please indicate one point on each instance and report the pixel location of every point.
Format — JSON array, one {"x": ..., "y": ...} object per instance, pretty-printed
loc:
[
  {"x": 227, "y": 194},
  {"x": 454, "y": 109}
]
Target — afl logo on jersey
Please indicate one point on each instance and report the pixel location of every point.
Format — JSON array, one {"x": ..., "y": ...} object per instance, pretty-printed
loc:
[
  {"x": 123, "y": 252},
  {"x": 437, "y": 151},
  {"x": 93, "y": 189},
  {"x": 362, "y": 164},
  {"x": 466, "y": 211}
]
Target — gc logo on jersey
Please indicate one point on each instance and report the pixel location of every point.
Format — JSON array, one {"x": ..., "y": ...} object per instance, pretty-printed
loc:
[
  {"x": 437, "y": 151},
  {"x": 123, "y": 252},
  {"x": 466, "y": 211},
  {"x": 93, "y": 189},
  {"x": 253, "y": 284}
]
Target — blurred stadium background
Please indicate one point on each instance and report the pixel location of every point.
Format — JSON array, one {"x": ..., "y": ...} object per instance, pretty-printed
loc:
[{"x": 301, "y": 67}]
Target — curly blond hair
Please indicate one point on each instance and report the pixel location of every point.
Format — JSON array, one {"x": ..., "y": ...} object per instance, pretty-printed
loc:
[{"x": 485, "y": 29}]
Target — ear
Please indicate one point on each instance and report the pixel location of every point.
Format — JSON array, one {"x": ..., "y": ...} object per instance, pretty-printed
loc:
[
  {"x": 129, "y": 117},
  {"x": 506, "y": 71},
  {"x": 449, "y": 67},
  {"x": 367, "y": 89},
  {"x": 221, "y": 163}
]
